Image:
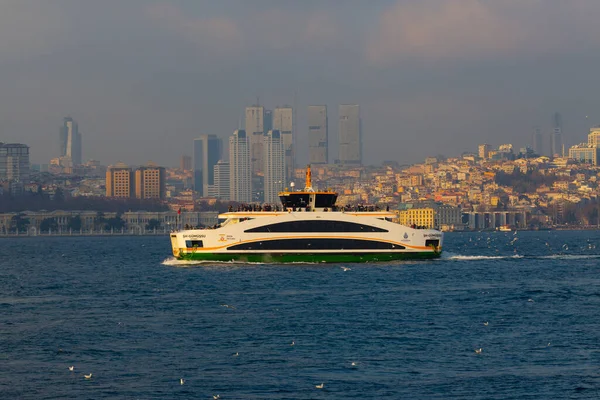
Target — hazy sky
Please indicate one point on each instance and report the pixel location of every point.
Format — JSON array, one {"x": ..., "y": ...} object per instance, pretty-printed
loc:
[{"x": 145, "y": 77}]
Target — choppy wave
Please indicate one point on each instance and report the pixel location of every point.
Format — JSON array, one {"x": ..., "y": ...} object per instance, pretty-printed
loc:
[
  {"x": 460, "y": 257},
  {"x": 570, "y": 256}
]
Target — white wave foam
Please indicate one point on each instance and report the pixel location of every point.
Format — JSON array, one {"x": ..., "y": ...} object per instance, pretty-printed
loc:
[
  {"x": 173, "y": 262},
  {"x": 458, "y": 257}
]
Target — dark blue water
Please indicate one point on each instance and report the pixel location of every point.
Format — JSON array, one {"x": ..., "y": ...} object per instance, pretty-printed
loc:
[{"x": 115, "y": 308}]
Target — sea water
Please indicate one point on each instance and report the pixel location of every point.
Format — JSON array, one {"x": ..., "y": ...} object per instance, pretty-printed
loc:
[{"x": 122, "y": 309}]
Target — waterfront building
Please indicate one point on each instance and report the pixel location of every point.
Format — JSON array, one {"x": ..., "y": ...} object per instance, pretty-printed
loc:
[
  {"x": 283, "y": 121},
  {"x": 255, "y": 129},
  {"x": 420, "y": 217},
  {"x": 275, "y": 157},
  {"x": 150, "y": 182},
  {"x": 70, "y": 141},
  {"x": 240, "y": 176},
  {"x": 350, "y": 134},
  {"x": 318, "y": 135},
  {"x": 14, "y": 162},
  {"x": 119, "y": 181},
  {"x": 207, "y": 153}
]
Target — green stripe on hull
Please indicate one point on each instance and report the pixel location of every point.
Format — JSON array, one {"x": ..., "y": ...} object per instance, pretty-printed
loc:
[{"x": 309, "y": 258}]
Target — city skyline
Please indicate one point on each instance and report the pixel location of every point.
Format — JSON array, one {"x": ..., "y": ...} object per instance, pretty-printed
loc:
[{"x": 431, "y": 77}]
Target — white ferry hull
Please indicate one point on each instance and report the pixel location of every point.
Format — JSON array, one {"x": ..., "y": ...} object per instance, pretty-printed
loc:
[{"x": 337, "y": 237}]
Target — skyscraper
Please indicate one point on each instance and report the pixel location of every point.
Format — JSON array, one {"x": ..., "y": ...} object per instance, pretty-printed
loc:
[
  {"x": 275, "y": 178},
  {"x": 255, "y": 129},
  {"x": 70, "y": 141},
  {"x": 537, "y": 141},
  {"x": 207, "y": 153},
  {"x": 318, "y": 135},
  {"x": 556, "y": 135},
  {"x": 240, "y": 176},
  {"x": 221, "y": 189},
  {"x": 283, "y": 121},
  {"x": 350, "y": 134}
]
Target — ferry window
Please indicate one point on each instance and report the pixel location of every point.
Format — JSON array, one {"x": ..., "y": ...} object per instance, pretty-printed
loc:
[
  {"x": 193, "y": 243},
  {"x": 316, "y": 226},
  {"x": 317, "y": 244},
  {"x": 432, "y": 242}
]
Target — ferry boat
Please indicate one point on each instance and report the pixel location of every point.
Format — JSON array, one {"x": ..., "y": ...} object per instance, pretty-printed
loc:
[{"x": 307, "y": 227}]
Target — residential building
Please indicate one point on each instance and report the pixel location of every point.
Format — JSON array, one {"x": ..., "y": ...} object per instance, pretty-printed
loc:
[
  {"x": 119, "y": 181},
  {"x": 207, "y": 153},
  {"x": 350, "y": 134},
  {"x": 484, "y": 151},
  {"x": 221, "y": 189},
  {"x": 185, "y": 163},
  {"x": 318, "y": 135},
  {"x": 14, "y": 162},
  {"x": 283, "y": 121},
  {"x": 274, "y": 169},
  {"x": 150, "y": 182},
  {"x": 240, "y": 177}
]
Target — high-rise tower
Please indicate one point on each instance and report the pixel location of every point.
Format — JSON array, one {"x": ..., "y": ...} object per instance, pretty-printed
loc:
[
  {"x": 275, "y": 158},
  {"x": 207, "y": 153},
  {"x": 283, "y": 121},
  {"x": 255, "y": 129},
  {"x": 70, "y": 141},
  {"x": 537, "y": 141},
  {"x": 318, "y": 135},
  {"x": 240, "y": 175},
  {"x": 350, "y": 134},
  {"x": 556, "y": 135}
]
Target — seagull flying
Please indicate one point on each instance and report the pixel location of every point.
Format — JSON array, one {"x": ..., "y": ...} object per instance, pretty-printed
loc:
[
  {"x": 228, "y": 306},
  {"x": 88, "y": 376},
  {"x": 216, "y": 396},
  {"x": 320, "y": 386},
  {"x": 354, "y": 364},
  {"x": 478, "y": 351},
  {"x": 236, "y": 354},
  {"x": 71, "y": 368},
  {"x": 293, "y": 343},
  {"x": 345, "y": 269},
  {"x": 486, "y": 323},
  {"x": 181, "y": 381}
]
